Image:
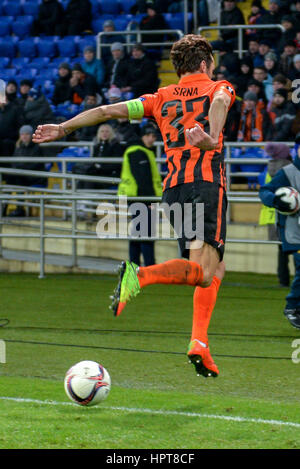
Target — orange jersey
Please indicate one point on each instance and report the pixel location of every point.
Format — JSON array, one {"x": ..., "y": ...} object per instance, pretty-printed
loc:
[{"x": 176, "y": 108}]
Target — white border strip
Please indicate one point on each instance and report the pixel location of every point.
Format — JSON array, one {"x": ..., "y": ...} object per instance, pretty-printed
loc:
[{"x": 160, "y": 412}]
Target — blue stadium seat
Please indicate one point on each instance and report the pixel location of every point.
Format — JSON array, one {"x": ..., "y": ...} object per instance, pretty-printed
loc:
[
  {"x": 31, "y": 8},
  {"x": 97, "y": 25},
  {"x": 5, "y": 26},
  {"x": 111, "y": 6},
  {"x": 125, "y": 5},
  {"x": 46, "y": 48},
  {"x": 7, "y": 47},
  {"x": 47, "y": 74},
  {"x": 40, "y": 62},
  {"x": 20, "y": 63},
  {"x": 28, "y": 73},
  {"x": 95, "y": 8},
  {"x": 120, "y": 24},
  {"x": 4, "y": 62},
  {"x": 67, "y": 47},
  {"x": 174, "y": 20},
  {"x": 12, "y": 8},
  {"x": 21, "y": 27},
  {"x": 86, "y": 41},
  {"x": 56, "y": 61},
  {"x": 27, "y": 48}
]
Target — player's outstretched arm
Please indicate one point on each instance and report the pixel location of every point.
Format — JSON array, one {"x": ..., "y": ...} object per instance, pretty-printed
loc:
[
  {"x": 217, "y": 117},
  {"x": 51, "y": 132}
]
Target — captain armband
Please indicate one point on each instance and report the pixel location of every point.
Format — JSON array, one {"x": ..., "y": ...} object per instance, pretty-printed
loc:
[{"x": 135, "y": 109}]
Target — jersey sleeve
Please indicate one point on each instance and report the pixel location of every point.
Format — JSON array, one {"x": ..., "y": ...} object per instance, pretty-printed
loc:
[
  {"x": 150, "y": 102},
  {"x": 227, "y": 88}
]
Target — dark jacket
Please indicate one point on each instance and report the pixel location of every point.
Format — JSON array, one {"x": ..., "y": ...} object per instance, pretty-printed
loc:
[
  {"x": 109, "y": 149},
  {"x": 10, "y": 121},
  {"x": 272, "y": 35},
  {"x": 50, "y": 16},
  {"x": 142, "y": 76},
  {"x": 38, "y": 112},
  {"x": 267, "y": 194},
  {"x": 282, "y": 118},
  {"x": 62, "y": 91},
  {"x": 80, "y": 12},
  {"x": 229, "y": 18},
  {"x": 86, "y": 87},
  {"x": 117, "y": 73},
  {"x": 31, "y": 150},
  {"x": 152, "y": 23}
]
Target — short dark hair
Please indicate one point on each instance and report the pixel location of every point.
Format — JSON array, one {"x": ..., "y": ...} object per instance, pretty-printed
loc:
[{"x": 188, "y": 53}]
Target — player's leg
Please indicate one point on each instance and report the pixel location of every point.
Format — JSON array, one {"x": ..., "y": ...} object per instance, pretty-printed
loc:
[
  {"x": 203, "y": 305},
  {"x": 292, "y": 309}
]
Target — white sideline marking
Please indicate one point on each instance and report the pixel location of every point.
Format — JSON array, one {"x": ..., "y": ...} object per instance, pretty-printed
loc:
[{"x": 160, "y": 412}]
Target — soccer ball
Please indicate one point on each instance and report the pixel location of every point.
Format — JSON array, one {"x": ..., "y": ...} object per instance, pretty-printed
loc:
[
  {"x": 87, "y": 383},
  {"x": 291, "y": 196}
]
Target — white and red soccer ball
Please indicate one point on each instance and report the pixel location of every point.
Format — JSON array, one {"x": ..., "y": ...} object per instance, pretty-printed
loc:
[
  {"x": 87, "y": 383},
  {"x": 292, "y": 197}
]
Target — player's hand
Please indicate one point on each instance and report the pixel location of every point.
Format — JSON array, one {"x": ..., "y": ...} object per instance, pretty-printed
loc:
[
  {"x": 281, "y": 205},
  {"x": 48, "y": 133},
  {"x": 198, "y": 138}
]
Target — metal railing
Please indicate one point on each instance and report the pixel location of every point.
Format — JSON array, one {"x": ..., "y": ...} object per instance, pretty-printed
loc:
[
  {"x": 240, "y": 28},
  {"x": 139, "y": 34},
  {"x": 75, "y": 234}
]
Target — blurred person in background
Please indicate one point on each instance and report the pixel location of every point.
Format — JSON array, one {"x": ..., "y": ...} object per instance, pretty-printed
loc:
[
  {"x": 50, "y": 19},
  {"x": 82, "y": 84},
  {"x": 255, "y": 123},
  {"x": 288, "y": 176},
  {"x": 78, "y": 17},
  {"x": 62, "y": 89},
  {"x": 140, "y": 177},
  {"x": 93, "y": 66},
  {"x": 11, "y": 119},
  {"x": 282, "y": 113},
  {"x": 89, "y": 133},
  {"x": 142, "y": 73},
  {"x": 37, "y": 109},
  {"x": 117, "y": 67},
  {"x": 279, "y": 154}
]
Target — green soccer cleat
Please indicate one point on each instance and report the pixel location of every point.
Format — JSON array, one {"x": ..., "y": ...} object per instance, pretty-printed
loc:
[{"x": 128, "y": 287}]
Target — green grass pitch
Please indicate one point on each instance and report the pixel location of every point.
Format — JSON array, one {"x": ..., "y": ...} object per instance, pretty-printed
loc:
[{"x": 156, "y": 400}]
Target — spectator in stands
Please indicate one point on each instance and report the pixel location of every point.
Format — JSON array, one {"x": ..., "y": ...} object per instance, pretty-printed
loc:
[
  {"x": 282, "y": 114},
  {"x": 161, "y": 5},
  {"x": 272, "y": 16},
  {"x": 230, "y": 15},
  {"x": 140, "y": 177},
  {"x": 117, "y": 68},
  {"x": 255, "y": 124},
  {"x": 25, "y": 147},
  {"x": 242, "y": 78},
  {"x": 11, "y": 120},
  {"x": 288, "y": 36},
  {"x": 11, "y": 91},
  {"x": 151, "y": 22},
  {"x": 50, "y": 19},
  {"x": 106, "y": 145},
  {"x": 93, "y": 66},
  {"x": 37, "y": 109},
  {"x": 261, "y": 75},
  {"x": 25, "y": 87},
  {"x": 228, "y": 60},
  {"x": 114, "y": 95},
  {"x": 126, "y": 132},
  {"x": 257, "y": 11},
  {"x": 294, "y": 73},
  {"x": 142, "y": 73},
  {"x": 287, "y": 57},
  {"x": 234, "y": 114},
  {"x": 82, "y": 84},
  {"x": 253, "y": 50},
  {"x": 257, "y": 87},
  {"x": 296, "y": 13},
  {"x": 271, "y": 64},
  {"x": 78, "y": 17},
  {"x": 62, "y": 90},
  {"x": 89, "y": 133},
  {"x": 108, "y": 39},
  {"x": 264, "y": 48}
]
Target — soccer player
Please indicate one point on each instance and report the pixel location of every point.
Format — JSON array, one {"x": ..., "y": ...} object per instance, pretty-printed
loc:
[{"x": 191, "y": 116}]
